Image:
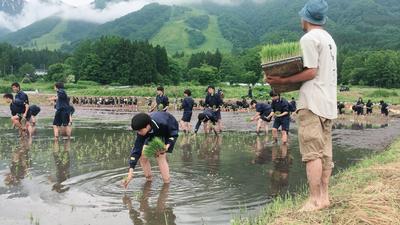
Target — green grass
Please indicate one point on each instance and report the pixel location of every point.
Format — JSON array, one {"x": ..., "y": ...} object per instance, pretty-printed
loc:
[
  {"x": 174, "y": 37},
  {"x": 360, "y": 176}
]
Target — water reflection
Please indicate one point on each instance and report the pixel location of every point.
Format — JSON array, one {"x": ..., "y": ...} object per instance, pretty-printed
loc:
[
  {"x": 20, "y": 162},
  {"x": 282, "y": 162},
  {"x": 262, "y": 154},
  {"x": 160, "y": 214},
  {"x": 62, "y": 161},
  {"x": 209, "y": 151}
]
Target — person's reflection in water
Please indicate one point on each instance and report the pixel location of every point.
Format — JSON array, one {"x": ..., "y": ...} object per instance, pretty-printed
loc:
[
  {"x": 20, "y": 162},
  {"x": 187, "y": 146},
  {"x": 262, "y": 155},
  {"x": 161, "y": 214},
  {"x": 210, "y": 151},
  {"x": 280, "y": 174},
  {"x": 62, "y": 161}
]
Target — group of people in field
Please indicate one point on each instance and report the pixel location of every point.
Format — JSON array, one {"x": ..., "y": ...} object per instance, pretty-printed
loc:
[
  {"x": 360, "y": 108},
  {"x": 23, "y": 115},
  {"x": 315, "y": 110}
]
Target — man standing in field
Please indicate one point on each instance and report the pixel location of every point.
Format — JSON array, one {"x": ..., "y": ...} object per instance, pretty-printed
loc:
[{"x": 317, "y": 101}]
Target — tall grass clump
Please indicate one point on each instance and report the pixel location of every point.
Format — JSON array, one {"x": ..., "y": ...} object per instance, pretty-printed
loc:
[
  {"x": 154, "y": 146},
  {"x": 276, "y": 52}
]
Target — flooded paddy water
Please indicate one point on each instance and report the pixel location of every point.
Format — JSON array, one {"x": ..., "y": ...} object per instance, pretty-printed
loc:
[{"x": 78, "y": 182}]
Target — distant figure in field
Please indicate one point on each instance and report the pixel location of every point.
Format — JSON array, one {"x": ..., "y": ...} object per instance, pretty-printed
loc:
[
  {"x": 369, "y": 106},
  {"x": 263, "y": 115},
  {"x": 187, "y": 106},
  {"x": 250, "y": 93},
  {"x": 214, "y": 102},
  {"x": 341, "y": 107},
  {"x": 317, "y": 101},
  {"x": 206, "y": 117},
  {"x": 162, "y": 101},
  {"x": 281, "y": 112},
  {"x": 62, "y": 116},
  {"x": 384, "y": 108},
  {"x": 17, "y": 108},
  {"x": 360, "y": 107}
]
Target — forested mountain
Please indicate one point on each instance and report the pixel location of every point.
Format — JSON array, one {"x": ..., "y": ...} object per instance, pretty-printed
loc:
[{"x": 356, "y": 24}]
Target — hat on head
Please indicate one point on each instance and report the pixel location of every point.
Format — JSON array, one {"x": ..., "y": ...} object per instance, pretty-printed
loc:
[
  {"x": 315, "y": 12},
  {"x": 140, "y": 121}
]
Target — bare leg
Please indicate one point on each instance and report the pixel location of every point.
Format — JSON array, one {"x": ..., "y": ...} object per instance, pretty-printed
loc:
[
  {"x": 164, "y": 168},
  {"x": 326, "y": 174},
  {"x": 275, "y": 134},
  {"x": 314, "y": 177},
  {"x": 145, "y": 164},
  {"x": 266, "y": 128},
  {"x": 284, "y": 137},
  {"x": 259, "y": 122},
  {"x": 56, "y": 132}
]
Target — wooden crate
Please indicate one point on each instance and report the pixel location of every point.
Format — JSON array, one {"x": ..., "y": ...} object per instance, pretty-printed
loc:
[{"x": 284, "y": 68}]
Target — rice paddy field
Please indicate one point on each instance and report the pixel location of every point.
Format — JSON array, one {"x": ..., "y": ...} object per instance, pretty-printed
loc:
[{"x": 215, "y": 179}]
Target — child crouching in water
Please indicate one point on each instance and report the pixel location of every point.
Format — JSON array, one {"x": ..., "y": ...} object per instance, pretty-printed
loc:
[
  {"x": 158, "y": 124},
  {"x": 17, "y": 109}
]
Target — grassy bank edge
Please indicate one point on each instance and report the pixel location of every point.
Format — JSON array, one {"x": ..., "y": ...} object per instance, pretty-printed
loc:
[{"x": 346, "y": 182}]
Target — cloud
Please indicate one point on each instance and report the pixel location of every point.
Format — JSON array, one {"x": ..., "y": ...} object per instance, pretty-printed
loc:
[{"x": 36, "y": 10}]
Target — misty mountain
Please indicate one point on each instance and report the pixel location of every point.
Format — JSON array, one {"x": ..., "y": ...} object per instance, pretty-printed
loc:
[
  {"x": 51, "y": 33},
  {"x": 356, "y": 24},
  {"x": 11, "y": 7},
  {"x": 4, "y": 31}
]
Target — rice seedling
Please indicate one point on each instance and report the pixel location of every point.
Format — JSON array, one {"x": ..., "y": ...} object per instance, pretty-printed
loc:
[
  {"x": 272, "y": 53},
  {"x": 154, "y": 146}
]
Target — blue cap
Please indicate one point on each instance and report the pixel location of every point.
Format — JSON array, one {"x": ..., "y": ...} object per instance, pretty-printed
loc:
[{"x": 315, "y": 12}]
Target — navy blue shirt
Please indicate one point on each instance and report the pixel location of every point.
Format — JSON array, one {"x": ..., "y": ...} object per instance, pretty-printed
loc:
[
  {"x": 187, "y": 104},
  {"x": 213, "y": 101},
  {"x": 62, "y": 100},
  {"x": 280, "y": 105},
  {"x": 165, "y": 126},
  {"x": 22, "y": 97},
  {"x": 263, "y": 109},
  {"x": 18, "y": 105},
  {"x": 210, "y": 116},
  {"x": 162, "y": 99}
]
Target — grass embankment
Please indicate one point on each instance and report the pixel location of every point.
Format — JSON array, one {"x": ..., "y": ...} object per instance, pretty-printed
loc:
[
  {"x": 87, "y": 88},
  {"x": 367, "y": 193}
]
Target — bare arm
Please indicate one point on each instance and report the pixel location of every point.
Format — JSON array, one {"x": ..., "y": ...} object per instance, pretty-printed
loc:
[{"x": 306, "y": 75}]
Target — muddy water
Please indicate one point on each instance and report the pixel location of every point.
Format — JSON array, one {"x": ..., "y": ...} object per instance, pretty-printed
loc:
[{"x": 78, "y": 182}]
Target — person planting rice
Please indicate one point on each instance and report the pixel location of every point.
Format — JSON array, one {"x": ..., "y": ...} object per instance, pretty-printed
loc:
[
  {"x": 205, "y": 117},
  {"x": 384, "y": 108},
  {"x": 214, "y": 101},
  {"x": 369, "y": 106},
  {"x": 162, "y": 102},
  {"x": 317, "y": 101},
  {"x": 158, "y": 125},
  {"x": 17, "y": 109},
  {"x": 22, "y": 100},
  {"x": 263, "y": 115},
  {"x": 187, "y": 106},
  {"x": 62, "y": 116},
  {"x": 281, "y": 114}
]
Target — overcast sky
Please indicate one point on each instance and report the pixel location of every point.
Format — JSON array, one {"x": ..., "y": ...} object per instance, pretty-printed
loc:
[{"x": 36, "y": 10}]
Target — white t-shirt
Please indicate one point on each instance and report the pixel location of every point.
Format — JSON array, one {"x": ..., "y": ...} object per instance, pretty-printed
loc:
[{"x": 319, "y": 94}]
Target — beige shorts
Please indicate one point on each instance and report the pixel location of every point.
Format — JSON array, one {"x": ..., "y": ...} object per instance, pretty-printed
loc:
[{"x": 315, "y": 138}]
